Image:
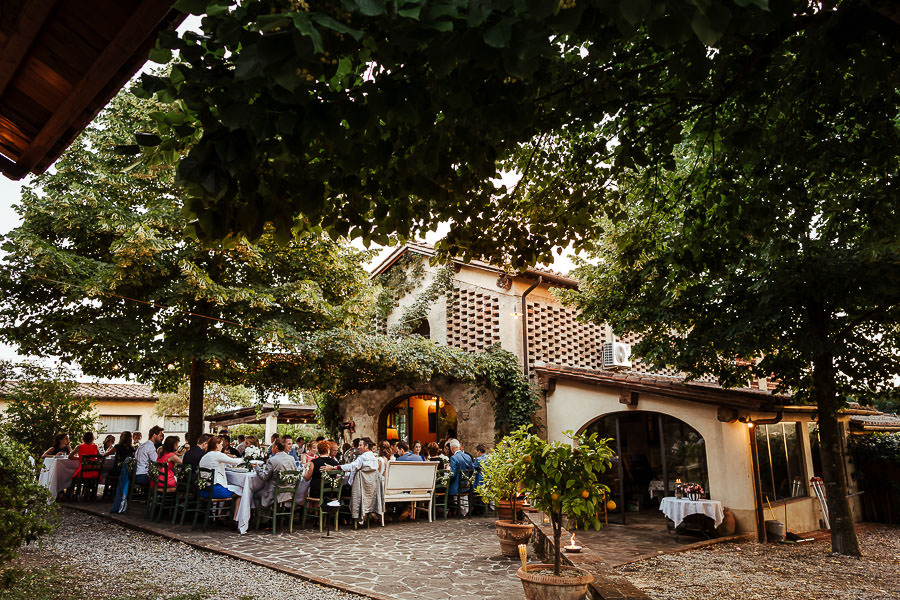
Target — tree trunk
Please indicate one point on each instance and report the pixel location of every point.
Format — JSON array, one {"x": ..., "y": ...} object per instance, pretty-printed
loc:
[
  {"x": 556, "y": 518},
  {"x": 843, "y": 533},
  {"x": 195, "y": 407}
]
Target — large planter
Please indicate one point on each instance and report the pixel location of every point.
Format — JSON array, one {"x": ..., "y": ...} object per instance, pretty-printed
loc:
[
  {"x": 511, "y": 535},
  {"x": 546, "y": 586},
  {"x": 504, "y": 510}
]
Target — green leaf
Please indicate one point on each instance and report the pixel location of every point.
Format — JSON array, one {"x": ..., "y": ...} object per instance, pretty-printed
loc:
[
  {"x": 371, "y": 8},
  {"x": 304, "y": 26},
  {"x": 710, "y": 27},
  {"x": 497, "y": 36},
  {"x": 160, "y": 55},
  {"x": 147, "y": 139},
  {"x": 335, "y": 25}
]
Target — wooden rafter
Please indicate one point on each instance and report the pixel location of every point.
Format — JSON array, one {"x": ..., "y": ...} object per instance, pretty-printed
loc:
[{"x": 29, "y": 24}]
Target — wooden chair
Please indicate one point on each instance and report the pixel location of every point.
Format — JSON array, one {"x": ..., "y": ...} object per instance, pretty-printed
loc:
[
  {"x": 160, "y": 496},
  {"x": 184, "y": 475},
  {"x": 88, "y": 479},
  {"x": 329, "y": 489},
  {"x": 208, "y": 506},
  {"x": 439, "y": 498},
  {"x": 464, "y": 490},
  {"x": 285, "y": 482}
]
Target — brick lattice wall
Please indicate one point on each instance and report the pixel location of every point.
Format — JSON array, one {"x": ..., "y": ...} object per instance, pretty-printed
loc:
[
  {"x": 557, "y": 337},
  {"x": 473, "y": 319}
]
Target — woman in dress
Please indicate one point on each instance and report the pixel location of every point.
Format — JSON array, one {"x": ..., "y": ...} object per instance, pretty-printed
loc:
[
  {"x": 217, "y": 461},
  {"x": 88, "y": 448},
  {"x": 169, "y": 455},
  {"x": 109, "y": 443},
  {"x": 124, "y": 449},
  {"x": 385, "y": 455},
  {"x": 60, "y": 446}
]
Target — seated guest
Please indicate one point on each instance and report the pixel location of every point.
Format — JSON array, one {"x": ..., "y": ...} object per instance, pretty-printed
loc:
[
  {"x": 434, "y": 455},
  {"x": 272, "y": 439},
  {"x": 250, "y": 442},
  {"x": 124, "y": 449},
  {"x": 385, "y": 455},
  {"x": 88, "y": 448},
  {"x": 216, "y": 460},
  {"x": 280, "y": 461},
  {"x": 334, "y": 450},
  {"x": 366, "y": 459},
  {"x": 242, "y": 443},
  {"x": 136, "y": 439},
  {"x": 226, "y": 447},
  {"x": 417, "y": 448},
  {"x": 289, "y": 447},
  {"x": 60, "y": 446},
  {"x": 313, "y": 472},
  {"x": 146, "y": 452},
  {"x": 405, "y": 454},
  {"x": 309, "y": 454},
  {"x": 192, "y": 457},
  {"x": 109, "y": 443},
  {"x": 169, "y": 455},
  {"x": 460, "y": 461}
]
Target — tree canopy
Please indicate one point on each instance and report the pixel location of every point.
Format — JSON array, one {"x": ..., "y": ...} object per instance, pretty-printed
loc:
[{"x": 101, "y": 272}]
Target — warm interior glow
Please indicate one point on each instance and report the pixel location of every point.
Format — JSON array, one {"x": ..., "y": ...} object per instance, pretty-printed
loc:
[
  {"x": 750, "y": 425},
  {"x": 392, "y": 434}
]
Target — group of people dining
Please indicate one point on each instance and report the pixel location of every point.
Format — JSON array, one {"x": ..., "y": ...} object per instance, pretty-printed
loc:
[{"x": 311, "y": 457}]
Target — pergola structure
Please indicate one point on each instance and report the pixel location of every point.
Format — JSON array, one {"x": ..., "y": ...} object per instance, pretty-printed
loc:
[
  {"x": 289, "y": 414},
  {"x": 60, "y": 63}
]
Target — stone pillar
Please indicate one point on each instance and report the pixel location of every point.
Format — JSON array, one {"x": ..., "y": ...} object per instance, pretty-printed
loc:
[{"x": 271, "y": 426}]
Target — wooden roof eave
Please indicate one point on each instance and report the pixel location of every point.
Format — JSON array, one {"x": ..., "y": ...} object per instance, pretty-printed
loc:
[{"x": 118, "y": 61}]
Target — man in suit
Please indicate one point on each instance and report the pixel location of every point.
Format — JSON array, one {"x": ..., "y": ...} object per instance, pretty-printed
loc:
[
  {"x": 280, "y": 461},
  {"x": 458, "y": 489}
]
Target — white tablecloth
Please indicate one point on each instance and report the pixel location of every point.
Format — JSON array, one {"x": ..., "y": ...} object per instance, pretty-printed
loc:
[
  {"x": 57, "y": 473},
  {"x": 678, "y": 508},
  {"x": 244, "y": 485}
]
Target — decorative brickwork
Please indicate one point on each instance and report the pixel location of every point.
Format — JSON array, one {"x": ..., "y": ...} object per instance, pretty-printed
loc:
[
  {"x": 556, "y": 336},
  {"x": 473, "y": 319}
]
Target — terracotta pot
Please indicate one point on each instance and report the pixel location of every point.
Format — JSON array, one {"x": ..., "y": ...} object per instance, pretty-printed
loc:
[
  {"x": 550, "y": 587},
  {"x": 511, "y": 535},
  {"x": 729, "y": 525},
  {"x": 504, "y": 510}
]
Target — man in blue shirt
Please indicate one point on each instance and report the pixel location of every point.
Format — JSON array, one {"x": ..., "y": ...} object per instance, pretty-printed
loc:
[
  {"x": 289, "y": 447},
  {"x": 406, "y": 455},
  {"x": 458, "y": 489}
]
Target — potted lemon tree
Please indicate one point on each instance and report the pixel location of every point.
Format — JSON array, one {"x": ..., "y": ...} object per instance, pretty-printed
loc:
[
  {"x": 562, "y": 480},
  {"x": 500, "y": 485}
]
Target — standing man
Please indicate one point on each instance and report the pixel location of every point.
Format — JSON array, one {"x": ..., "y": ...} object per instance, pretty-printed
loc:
[
  {"x": 458, "y": 489},
  {"x": 147, "y": 453},
  {"x": 405, "y": 454},
  {"x": 280, "y": 461},
  {"x": 365, "y": 460}
]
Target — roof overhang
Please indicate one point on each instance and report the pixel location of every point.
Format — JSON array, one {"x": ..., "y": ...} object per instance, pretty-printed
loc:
[
  {"x": 61, "y": 61},
  {"x": 290, "y": 414}
]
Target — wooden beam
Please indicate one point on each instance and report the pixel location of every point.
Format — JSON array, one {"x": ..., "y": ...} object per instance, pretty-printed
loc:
[
  {"x": 29, "y": 24},
  {"x": 117, "y": 53}
]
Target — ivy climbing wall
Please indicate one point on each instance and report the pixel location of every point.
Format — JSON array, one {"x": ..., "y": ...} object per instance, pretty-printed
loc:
[{"x": 473, "y": 319}]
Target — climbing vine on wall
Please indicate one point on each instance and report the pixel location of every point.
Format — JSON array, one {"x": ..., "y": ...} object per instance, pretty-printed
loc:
[
  {"x": 340, "y": 362},
  {"x": 413, "y": 315},
  {"x": 399, "y": 280}
]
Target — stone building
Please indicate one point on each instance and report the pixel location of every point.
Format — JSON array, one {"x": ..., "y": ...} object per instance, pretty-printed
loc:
[{"x": 664, "y": 428}]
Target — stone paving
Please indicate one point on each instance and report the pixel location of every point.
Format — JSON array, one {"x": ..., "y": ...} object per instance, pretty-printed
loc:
[{"x": 409, "y": 560}]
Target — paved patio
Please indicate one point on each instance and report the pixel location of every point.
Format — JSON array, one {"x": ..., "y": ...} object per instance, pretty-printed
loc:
[
  {"x": 409, "y": 560},
  {"x": 644, "y": 535}
]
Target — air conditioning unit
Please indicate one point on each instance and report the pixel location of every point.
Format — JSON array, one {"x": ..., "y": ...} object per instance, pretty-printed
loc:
[{"x": 616, "y": 355}]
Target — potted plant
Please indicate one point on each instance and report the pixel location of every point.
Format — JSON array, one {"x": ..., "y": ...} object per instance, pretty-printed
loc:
[
  {"x": 563, "y": 479},
  {"x": 500, "y": 484}
]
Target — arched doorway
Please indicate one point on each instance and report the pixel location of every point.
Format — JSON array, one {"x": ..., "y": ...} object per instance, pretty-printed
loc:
[
  {"x": 654, "y": 452},
  {"x": 423, "y": 417}
]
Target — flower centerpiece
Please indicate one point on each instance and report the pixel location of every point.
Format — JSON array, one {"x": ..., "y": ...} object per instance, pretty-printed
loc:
[
  {"x": 692, "y": 491},
  {"x": 500, "y": 485},
  {"x": 253, "y": 455},
  {"x": 562, "y": 479}
]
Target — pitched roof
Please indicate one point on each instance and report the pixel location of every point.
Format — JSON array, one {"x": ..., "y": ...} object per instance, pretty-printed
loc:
[
  {"x": 99, "y": 391},
  {"x": 875, "y": 421},
  {"x": 550, "y": 276},
  {"x": 60, "y": 63}
]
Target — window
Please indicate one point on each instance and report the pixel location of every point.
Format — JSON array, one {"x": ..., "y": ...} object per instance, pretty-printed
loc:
[
  {"x": 120, "y": 423},
  {"x": 176, "y": 424},
  {"x": 780, "y": 455}
]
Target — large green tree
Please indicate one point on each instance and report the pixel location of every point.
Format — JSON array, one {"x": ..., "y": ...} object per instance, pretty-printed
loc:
[
  {"x": 101, "y": 272},
  {"x": 376, "y": 118}
]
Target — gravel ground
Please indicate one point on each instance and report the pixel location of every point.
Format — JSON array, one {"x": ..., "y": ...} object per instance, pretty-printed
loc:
[
  {"x": 751, "y": 571},
  {"x": 155, "y": 567}
]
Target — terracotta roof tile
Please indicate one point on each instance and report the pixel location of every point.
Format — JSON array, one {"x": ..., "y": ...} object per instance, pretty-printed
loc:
[{"x": 100, "y": 391}]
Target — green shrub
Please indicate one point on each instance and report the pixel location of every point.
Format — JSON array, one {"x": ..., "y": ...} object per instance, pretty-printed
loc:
[
  {"x": 26, "y": 509},
  {"x": 876, "y": 447}
]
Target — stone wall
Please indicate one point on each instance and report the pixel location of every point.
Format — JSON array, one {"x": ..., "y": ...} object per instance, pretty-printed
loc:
[{"x": 475, "y": 422}]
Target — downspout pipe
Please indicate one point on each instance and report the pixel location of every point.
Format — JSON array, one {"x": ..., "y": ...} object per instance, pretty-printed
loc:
[
  {"x": 539, "y": 281},
  {"x": 754, "y": 459}
]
